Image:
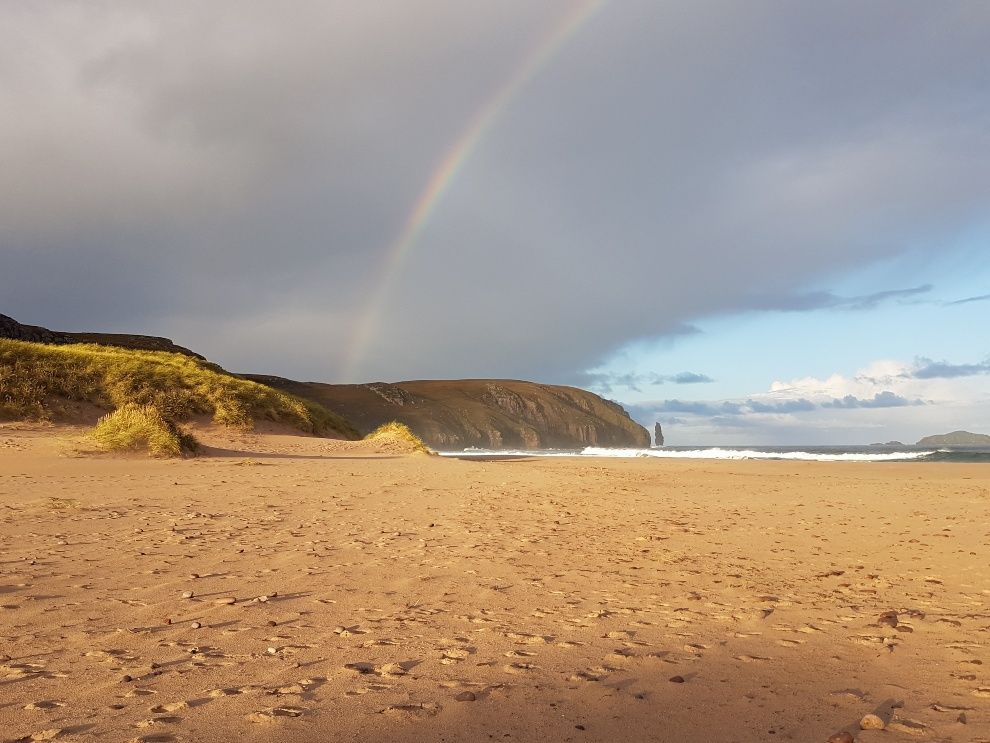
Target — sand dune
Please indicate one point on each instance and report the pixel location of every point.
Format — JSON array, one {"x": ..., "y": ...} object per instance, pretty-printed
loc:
[{"x": 291, "y": 588}]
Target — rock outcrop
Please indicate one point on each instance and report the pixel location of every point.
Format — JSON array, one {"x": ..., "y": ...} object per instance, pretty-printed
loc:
[
  {"x": 10, "y": 328},
  {"x": 658, "y": 434},
  {"x": 956, "y": 438},
  {"x": 484, "y": 413}
]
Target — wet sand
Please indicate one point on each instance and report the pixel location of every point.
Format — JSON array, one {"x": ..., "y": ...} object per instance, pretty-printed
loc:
[{"x": 298, "y": 589}]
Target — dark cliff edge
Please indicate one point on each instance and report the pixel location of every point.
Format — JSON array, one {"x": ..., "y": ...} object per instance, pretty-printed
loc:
[
  {"x": 446, "y": 414},
  {"x": 10, "y": 328},
  {"x": 484, "y": 413}
]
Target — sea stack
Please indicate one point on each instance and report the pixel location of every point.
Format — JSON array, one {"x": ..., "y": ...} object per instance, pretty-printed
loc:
[{"x": 658, "y": 434}]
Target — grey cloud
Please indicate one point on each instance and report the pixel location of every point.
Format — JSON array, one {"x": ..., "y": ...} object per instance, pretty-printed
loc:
[
  {"x": 943, "y": 370},
  {"x": 235, "y": 176},
  {"x": 885, "y": 399},
  {"x": 967, "y": 300},
  {"x": 690, "y": 378},
  {"x": 827, "y": 301},
  {"x": 731, "y": 407},
  {"x": 608, "y": 381},
  {"x": 727, "y": 409}
]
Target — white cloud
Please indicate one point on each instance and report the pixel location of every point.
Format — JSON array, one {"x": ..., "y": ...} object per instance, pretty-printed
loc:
[{"x": 882, "y": 401}]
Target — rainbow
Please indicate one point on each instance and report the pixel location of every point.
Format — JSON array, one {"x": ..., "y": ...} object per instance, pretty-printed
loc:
[{"x": 445, "y": 173}]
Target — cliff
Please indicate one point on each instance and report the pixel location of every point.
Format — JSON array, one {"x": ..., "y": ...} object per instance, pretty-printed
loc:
[
  {"x": 485, "y": 413},
  {"x": 446, "y": 414},
  {"x": 956, "y": 438},
  {"x": 10, "y": 328}
]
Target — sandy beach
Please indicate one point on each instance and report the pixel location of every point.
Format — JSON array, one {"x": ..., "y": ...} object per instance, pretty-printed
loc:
[{"x": 301, "y": 589}]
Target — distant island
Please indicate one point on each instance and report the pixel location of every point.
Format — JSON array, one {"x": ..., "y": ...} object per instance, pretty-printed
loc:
[
  {"x": 956, "y": 438},
  {"x": 888, "y": 443}
]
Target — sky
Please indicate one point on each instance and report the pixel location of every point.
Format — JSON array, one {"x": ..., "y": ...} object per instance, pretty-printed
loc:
[{"x": 760, "y": 222}]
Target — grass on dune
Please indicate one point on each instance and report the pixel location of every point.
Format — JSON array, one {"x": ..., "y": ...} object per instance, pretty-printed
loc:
[
  {"x": 35, "y": 378},
  {"x": 132, "y": 427},
  {"x": 401, "y": 433}
]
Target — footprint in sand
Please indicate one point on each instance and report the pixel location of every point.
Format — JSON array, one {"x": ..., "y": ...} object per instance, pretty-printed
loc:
[
  {"x": 157, "y": 721},
  {"x": 215, "y": 693},
  {"x": 44, "y": 705},
  {"x": 275, "y": 713},
  {"x": 413, "y": 710},
  {"x": 519, "y": 667},
  {"x": 454, "y": 655},
  {"x": 172, "y": 707}
]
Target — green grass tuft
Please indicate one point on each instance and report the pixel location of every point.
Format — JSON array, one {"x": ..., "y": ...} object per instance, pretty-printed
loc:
[
  {"x": 132, "y": 427},
  {"x": 37, "y": 379},
  {"x": 401, "y": 433}
]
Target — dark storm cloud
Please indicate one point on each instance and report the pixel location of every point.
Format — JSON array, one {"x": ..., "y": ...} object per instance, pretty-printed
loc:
[
  {"x": 231, "y": 174},
  {"x": 929, "y": 369}
]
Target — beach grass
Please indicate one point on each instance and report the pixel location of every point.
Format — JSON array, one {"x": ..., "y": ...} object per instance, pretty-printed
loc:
[
  {"x": 133, "y": 427},
  {"x": 401, "y": 433},
  {"x": 37, "y": 379}
]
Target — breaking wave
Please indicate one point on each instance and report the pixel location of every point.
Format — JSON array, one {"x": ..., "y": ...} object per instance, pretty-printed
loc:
[{"x": 808, "y": 454}]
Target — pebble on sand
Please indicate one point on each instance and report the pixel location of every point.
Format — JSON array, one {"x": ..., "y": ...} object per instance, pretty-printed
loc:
[
  {"x": 195, "y": 625},
  {"x": 187, "y": 594},
  {"x": 872, "y": 722},
  {"x": 843, "y": 737},
  {"x": 466, "y": 696},
  {"x": 226, "y": 601},
  {"x": 677, "y": 679}
]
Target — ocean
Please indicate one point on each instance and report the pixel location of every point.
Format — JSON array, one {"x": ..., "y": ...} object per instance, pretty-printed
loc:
[{"x": 798, "y": 453}]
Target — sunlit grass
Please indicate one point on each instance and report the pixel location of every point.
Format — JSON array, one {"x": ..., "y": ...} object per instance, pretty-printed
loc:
[
  {"x": 134, "y": 427},
  {"x": 401, "y": 433},
  {"x": 37, "y": 379}
]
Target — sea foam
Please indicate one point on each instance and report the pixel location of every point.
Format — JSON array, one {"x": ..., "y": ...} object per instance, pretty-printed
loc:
[{"x": 702, "y": 453}]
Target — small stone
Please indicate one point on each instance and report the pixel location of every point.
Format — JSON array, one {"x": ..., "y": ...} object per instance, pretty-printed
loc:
[
  {"x": 872, "y": 722},
  {"x": 262, "y": 599},
  {"x": 225, "y": 601},
  {"x": 195, "y": 625},
  {"x": 677, "y": 679},
  {"x": 272, "y": 651},
  {"x": 187, "y": 594},
  {"x": 193, "y": 576},
  {"x": 272, "y": 623},
  {"x": 842, "y": 737},
  {"x": 126, "y": 678},
  {"x": 466, "y": 696}
]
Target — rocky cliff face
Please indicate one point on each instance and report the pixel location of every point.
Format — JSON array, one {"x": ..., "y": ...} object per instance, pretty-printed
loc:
[
  {"x": 446, "y": 414},
  {"x": 485, "y": 413},
  {"x": 10, "y": 328}
]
